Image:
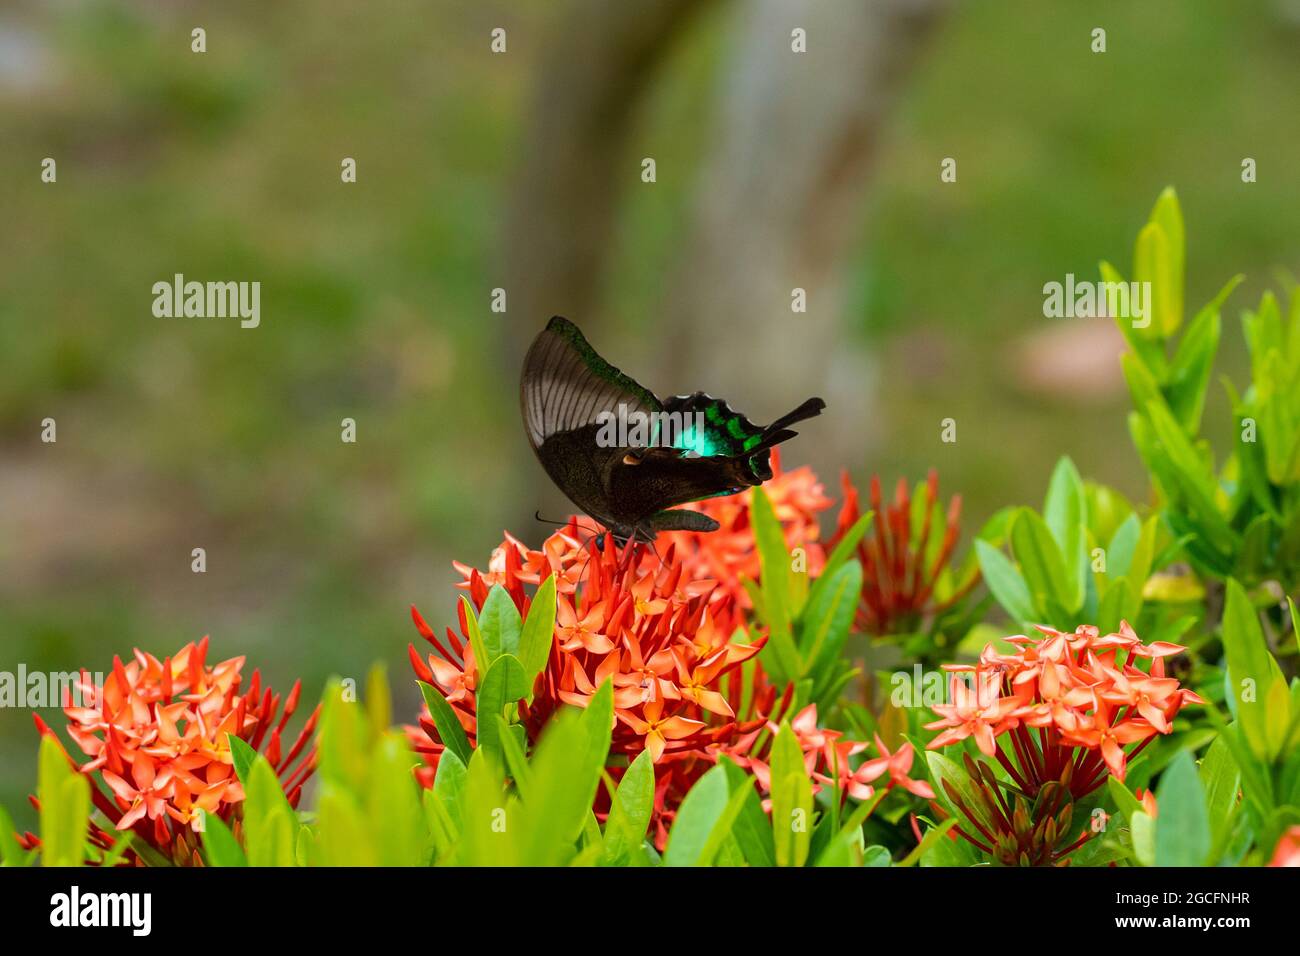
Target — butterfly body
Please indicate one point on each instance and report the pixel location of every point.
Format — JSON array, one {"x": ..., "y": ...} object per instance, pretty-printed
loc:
[{"x": 624, "y": 456}]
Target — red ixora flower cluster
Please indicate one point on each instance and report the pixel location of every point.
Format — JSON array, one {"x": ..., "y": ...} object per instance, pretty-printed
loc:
[
  {"x": 156, "y": 734},
  {"x": 729, "y": 555},
  {"x": 902, "y": 566},
  {"x": 666, "y": 627},
  {"x": 1069, "y": 704}
]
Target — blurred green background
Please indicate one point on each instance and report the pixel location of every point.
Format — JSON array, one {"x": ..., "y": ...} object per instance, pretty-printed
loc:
[{"x": 183, "y": 433}]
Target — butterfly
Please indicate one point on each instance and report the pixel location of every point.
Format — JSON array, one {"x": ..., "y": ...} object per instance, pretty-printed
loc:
[{"x": 626, "y": 457}]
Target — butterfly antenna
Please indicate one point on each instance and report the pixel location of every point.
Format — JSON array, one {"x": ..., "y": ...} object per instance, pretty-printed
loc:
[
  {"x": 591, "y": 553},
  {"x": 655, "y": 552}
]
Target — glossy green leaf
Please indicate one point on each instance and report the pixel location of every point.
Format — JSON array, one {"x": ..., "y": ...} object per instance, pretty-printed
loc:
[
  {"x": 502, "y": 687},
  {"x": 444, "y": 718},
  {"x": 499, "y": 623},
  {"x": 1005, "y": 582},
  {"x": 1182, "y": 825},
  {"x": 629, "y": 812},
  {"x": 1065, "y": 512},
  {"x": 775, "y": 570},
  {"x": 538, "y": 631},
  {"x": 1043, "y": 568},
  {"x": 703, "y": 821},
  {"x": 1260, "y": 690}
]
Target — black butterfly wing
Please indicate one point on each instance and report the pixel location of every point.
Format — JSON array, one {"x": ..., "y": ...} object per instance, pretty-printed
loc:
[
  {"x": 567, "y": 391},
  {"x": 564, "y": 388},
  {"x": 716, "y": 451}
]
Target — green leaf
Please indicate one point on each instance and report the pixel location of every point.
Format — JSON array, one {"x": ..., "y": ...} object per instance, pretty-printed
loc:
[
  {"x": 445, "y": 719},
  {"x": 11, "y": 851},
  {"x": 482, "y": 658},
  {"x": 1153, "y": 262},
  {"x": 379, "y": 702},
  {"x": 270, "y": 824},
  {"x": 776, "y": 574},
  {"x": 751, "y": 828},
  {"x": 945, "y": 773},
  {"x": 703, "y": 821},
  {"x": 1043, "y": 568},
  {"x": 1146, "y": 347},
  {"x": 539, "y": 631},
  {"x": 1125, "y": 802},
  {"x": 1221, "y": 779},
  {"x": 1005, "y": 583},
  {"x": 513, "y": 751},
  {"x": 1255, "y": 680},
  {"x": 1142, "y": 828},
  {"x": 499, "y": 623},
  {"x": 629, "y": 812},
  {"x": 1183, "y": 824},
  {"x": 932, "y": 836},
  {"x": 219, "y": 845},
  {"x": 395, "y": 819},
  {"x": 491, "y": 830},
  {"x": 842, "y": 552},
  {"x": 1066, "y": 515},
  {"x": 242, "y": 756},
  {"x": 1169, "y": 217},
  {"x": 64, "y": 796},
  {"x": 792, "y": 801},
  {"x": 1189, "y": 373},
  {"x": 827, "y": 618},
  {"x": 504, "y": 684}
]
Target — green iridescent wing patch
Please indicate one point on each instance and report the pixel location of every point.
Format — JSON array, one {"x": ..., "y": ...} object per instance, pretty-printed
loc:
[{"x": 710, "y": 428}]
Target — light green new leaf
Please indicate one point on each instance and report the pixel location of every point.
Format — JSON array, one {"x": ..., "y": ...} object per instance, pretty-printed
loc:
[
  {"x": 220, "y": 848},
  {"x": 1066, "y": 514},
  {"x": 270, "y": 824},
  {"x": 482, "y": 657},
  {"x": 1169, "y": 217},
  {"x": 64, "y": 796},
  {"x": 792, "y": 800},
  {"x": 395, "y": 821}
]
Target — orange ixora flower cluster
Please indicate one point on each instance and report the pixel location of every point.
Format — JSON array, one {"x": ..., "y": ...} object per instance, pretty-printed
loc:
[
  {"x": 687, "y": 687},
  {"x": 157, "y": 737},
  {"x": 1068, "y": 704}
]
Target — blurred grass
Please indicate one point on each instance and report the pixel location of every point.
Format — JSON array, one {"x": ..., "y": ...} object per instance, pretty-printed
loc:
[{"x": 175, "y": 434}]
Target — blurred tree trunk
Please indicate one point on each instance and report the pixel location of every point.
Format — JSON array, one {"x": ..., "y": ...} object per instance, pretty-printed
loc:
[
  {"x": 780, "y": 206},
  {"x": 779, "y": 203},
  {"x": 590, "y": 80}
]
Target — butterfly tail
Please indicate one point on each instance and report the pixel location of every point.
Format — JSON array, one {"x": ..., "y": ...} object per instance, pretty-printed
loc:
[{"x": 809, "y": 409}]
